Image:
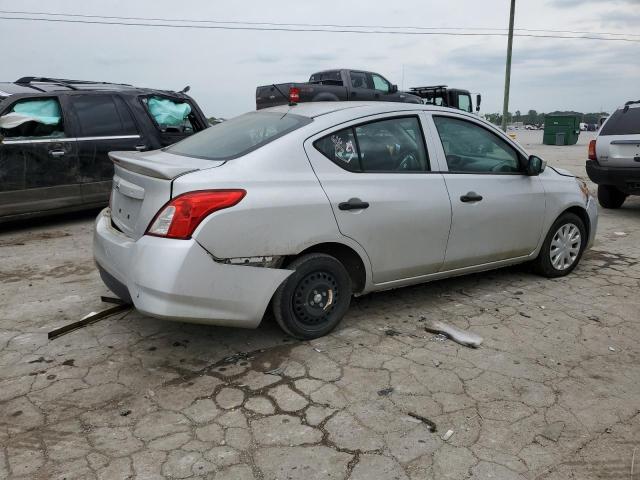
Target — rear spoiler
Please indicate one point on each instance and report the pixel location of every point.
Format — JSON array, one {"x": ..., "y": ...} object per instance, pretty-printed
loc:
[{"x": 160, "y": 164}]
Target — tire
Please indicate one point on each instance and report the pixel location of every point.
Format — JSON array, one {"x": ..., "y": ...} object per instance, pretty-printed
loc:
[
  {"x": 300, "y": 303},
  {"x": 543, "y": 265},
  {"x": 610, "y": 197}
]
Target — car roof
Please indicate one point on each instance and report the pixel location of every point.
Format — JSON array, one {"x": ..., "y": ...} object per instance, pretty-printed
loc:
[
  {"x": 317, "y": 109},
  {"x": 43, "y": 85}
]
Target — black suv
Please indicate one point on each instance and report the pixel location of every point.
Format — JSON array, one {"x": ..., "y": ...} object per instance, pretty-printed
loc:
[{"x": 55, "y": 136}]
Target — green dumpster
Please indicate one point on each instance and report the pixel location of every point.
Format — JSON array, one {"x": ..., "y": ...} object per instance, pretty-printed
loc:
[{"x": 561, "y": 129}]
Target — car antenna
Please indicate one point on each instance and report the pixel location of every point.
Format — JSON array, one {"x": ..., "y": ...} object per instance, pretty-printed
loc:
[
  {"x": 185, "y": 89},
  {"x": 279, "y": 91}
]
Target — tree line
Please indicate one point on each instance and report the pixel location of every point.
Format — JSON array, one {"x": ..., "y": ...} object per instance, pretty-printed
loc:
[{"x": 534, "y": 118}]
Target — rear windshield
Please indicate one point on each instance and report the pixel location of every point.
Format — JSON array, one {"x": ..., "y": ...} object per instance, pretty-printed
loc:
[
  {"x": 238, "y": 136},
  {"x": 623, "y": 123}
]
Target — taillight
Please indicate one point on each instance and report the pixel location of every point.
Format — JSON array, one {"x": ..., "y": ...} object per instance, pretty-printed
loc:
[
  {"x": 182, "y": 215},
  {"x": 294, "y": 94},
  {"x": 592, "y": 150}
]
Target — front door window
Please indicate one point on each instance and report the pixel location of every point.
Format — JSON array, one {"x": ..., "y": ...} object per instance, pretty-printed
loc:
[{"x": 470, "y": 148}]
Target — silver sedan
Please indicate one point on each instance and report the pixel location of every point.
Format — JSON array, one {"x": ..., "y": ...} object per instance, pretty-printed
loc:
[{"x": 303, "y": 207}]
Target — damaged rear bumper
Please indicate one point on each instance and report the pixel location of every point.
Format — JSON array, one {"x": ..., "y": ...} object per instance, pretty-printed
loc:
[{"x": 180, "y": 280}]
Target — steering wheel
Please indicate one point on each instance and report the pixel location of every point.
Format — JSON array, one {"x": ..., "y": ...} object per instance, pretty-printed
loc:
[
  {"x": 502, "y": 167},
  {"x": 409, "y": 162}
]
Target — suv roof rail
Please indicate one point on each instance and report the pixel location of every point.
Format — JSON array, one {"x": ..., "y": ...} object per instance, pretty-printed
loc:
[
  {"x": 631, "y": 102},
  {"x": 64, "y": 82}
]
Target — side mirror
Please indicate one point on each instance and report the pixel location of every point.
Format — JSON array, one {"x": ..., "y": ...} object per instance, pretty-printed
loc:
[
  {"x": 478, "y": 101},
  {"x": 535, "y": 166},
  {"x": 393, "y": 89}
]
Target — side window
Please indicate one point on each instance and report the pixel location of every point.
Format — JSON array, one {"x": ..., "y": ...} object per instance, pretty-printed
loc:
[
  {"x": 128, "y": 124},
  {"x": 464, "y": 103},
  {"x": 393, "y": 145},
  {"x": 99, "y": 117},
  {"x": 359, "y": 80},
  {"x": 33, "y": 118},
  {"x": 380, "y": 83},
  {"x": 470, "y": 148},
  {"x": 171, "y": 116},
  {"x": 340, "y": 148}
]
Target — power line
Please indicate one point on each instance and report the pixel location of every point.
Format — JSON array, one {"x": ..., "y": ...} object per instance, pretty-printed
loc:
[
  {"x": 313, "y": 25},
  {"x": 316, "y": 30}
]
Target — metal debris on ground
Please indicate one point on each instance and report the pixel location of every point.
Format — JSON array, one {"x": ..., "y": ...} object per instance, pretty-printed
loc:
[
  {"x": 276, "y": 371},
  {"x": 235, "y": 358},
  {"x": 117, "y": 301},
  {"x": 447, "y": 435},
  {"x": 611, "y": 349},
  {"x": 87, "y": 320},
  {"x": 429, "y": 423},
  {"x": 385, "y": 392},
  {"x": 439, "y": 337},
  {"x": 463, "y": 337}
]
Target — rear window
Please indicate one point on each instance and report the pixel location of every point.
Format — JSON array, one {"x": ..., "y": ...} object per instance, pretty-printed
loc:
[
  {"x": 238, "y": 136},
  {"x": 623, "y": 123}
]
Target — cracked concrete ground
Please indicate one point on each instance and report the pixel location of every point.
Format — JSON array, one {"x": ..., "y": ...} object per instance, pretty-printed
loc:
[{"x": 553, "y": 393}]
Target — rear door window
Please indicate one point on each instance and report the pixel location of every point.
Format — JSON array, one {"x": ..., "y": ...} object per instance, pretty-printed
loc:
[
  {"x": 359, "y": 80},
  {"x": 340, "y": 148},
  {"x": 332, "y": 77},
  {"x": 623, "y": 123},
  {"x": 98, "y": 116},
  {"x": 393, "y": 145},
  {"x": 33, "y": 118},
  {"x": 238, "y": 136}
]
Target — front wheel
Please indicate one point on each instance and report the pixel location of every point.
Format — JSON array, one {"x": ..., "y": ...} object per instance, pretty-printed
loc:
[
  {"x": 563, "y": 247},
  {"x": 314, "y": 298},
  {"x": 610, "y": 197}
]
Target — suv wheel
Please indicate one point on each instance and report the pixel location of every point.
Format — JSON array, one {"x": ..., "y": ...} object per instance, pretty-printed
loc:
[
  {"x": 563, "y": 247},
  {"x": 610, "y": 197},
  {"x": 314, "y": 298}
]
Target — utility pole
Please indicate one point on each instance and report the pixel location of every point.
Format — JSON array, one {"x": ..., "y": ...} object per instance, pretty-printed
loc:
[{"x": 507, "y": 74}]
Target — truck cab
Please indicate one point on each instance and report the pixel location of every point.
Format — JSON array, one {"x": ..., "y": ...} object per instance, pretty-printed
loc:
[{"x": 444, "y": 96}]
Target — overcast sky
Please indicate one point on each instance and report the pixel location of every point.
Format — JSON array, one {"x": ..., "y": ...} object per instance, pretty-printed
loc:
[{"x": 224, "y": 67}]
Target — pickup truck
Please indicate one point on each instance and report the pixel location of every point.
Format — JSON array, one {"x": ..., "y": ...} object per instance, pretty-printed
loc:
[{"x": 333, "y": 86}]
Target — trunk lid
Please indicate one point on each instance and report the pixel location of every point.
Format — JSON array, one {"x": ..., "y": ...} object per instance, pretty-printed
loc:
[{"x": 142, "y": 185}]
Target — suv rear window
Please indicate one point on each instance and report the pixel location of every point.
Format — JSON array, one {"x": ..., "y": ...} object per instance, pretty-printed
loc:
[
  {"x": 623, "y": 123},
  {"x": 238, "y": 136}
]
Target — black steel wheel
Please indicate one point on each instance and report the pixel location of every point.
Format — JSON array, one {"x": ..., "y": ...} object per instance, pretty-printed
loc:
[{"x": 315, "y": 297}]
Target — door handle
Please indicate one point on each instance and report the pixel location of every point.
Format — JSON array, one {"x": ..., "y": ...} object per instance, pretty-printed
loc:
[
  {"x": 56, "y": 153},
  {"x": 470, "y": 197},
  {"x": 353, "y": 204},
  {"x": 141, "y": 148}
]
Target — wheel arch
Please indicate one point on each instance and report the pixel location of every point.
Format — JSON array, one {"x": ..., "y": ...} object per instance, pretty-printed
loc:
[
  {"x": 352, "y": 261},
  {"x": 582, "y": 214}
]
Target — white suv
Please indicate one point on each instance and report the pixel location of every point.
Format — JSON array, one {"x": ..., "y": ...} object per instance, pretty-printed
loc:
[{"x": 614, "y": 157}]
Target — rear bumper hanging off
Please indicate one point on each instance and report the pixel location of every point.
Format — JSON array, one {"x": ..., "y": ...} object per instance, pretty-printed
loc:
[{"x": 180, "y": 280}]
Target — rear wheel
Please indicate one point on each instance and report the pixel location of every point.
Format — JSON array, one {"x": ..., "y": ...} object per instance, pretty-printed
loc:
[
  {"x": 314, "y": 298},
  {"x": 563, "y": 247},
  {"x": 610, "y": 197}
]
